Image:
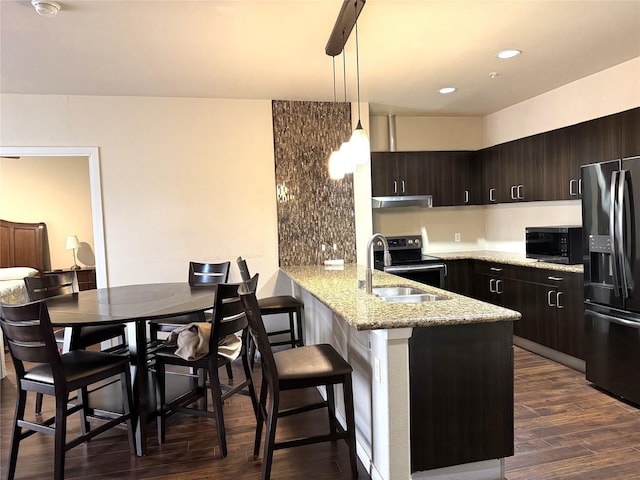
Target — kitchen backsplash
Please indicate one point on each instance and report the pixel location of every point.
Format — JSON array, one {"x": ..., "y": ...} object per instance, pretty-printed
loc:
[{"x": 492, "y": 227}]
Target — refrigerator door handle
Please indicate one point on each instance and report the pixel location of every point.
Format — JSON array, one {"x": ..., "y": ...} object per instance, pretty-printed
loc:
[
  {"x": 618, "y": 320},
  {"x": 612, "y": 233},
  {"x": 620, "y": 240}
]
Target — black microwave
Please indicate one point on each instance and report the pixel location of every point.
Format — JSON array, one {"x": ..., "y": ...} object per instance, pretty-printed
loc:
[{"x": 562, "y": 244}]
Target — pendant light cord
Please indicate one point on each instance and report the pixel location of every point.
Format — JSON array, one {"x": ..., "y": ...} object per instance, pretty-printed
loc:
[
  {"x": 334, "y": 79},
  {"x": 358, "y": 68},
  {"x": 344, "y": 73}
]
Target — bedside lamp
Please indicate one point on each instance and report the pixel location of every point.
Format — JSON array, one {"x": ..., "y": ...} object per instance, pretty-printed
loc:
[{"x": 72, "y": 244}]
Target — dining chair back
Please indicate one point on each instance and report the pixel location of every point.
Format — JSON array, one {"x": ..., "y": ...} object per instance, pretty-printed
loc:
[
  {"x": 51, "y": 285},
  {"x": 229, "y": 321},
  {"x": 66, "y": 283},
  {"x": 279, "y": 304},
  {"x": 206, "y": 275},
  {"x": 42, "y": 369},
  {"x": 303, "y": 367}
]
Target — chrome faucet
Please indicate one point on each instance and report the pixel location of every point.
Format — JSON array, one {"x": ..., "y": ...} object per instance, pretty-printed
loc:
[{"x": 387, "y": 259}]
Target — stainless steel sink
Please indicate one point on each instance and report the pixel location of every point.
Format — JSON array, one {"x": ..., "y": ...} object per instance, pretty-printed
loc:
[
  {"x": 406, "y": 295},
  {"x": 396, "y": 291}
]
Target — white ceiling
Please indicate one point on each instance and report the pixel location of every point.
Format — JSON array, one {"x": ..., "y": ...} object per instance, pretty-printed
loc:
[{"x": 268, "y": 49}]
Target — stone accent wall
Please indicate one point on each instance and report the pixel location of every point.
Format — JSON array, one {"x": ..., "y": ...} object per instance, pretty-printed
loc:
[{"x": 312, "y": 209}]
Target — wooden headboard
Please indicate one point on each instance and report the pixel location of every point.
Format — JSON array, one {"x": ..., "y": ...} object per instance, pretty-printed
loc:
[{"x": 24, "y": 245}]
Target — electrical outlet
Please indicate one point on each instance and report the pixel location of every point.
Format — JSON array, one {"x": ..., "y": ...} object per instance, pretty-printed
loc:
[{"x": 456, "y": 237}]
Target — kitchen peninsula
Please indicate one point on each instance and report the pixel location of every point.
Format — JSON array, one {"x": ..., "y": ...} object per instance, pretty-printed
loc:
[{"x": 433, "y": 381}]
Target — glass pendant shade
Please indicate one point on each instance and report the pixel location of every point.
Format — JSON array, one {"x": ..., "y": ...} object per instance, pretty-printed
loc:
[
  {"x": 359, "y": 145},
  {"x": 336, "y": 168},
  {"x": 347, "y": 157}
]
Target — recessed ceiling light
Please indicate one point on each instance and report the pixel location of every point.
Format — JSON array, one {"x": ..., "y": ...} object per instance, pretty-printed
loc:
[
  {"x": 446, "y": 90},
  {"x": 508, "y": 53},
  {"x": 46, "y": 8}
]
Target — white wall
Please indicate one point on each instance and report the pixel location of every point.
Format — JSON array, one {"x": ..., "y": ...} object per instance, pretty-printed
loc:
[
  {"x": 604, "y": 93},
  {"x": 182, "y": 179},
  {"x": 415, "y": 133}
]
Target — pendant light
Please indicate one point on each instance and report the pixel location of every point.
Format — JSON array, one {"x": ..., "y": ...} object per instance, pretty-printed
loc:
[
  {"x": 359, "y": 142},
  {"x": 346, "y": 156}
]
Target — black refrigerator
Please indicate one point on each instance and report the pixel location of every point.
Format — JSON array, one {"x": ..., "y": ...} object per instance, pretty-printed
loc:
[{"x": 610, "y": 222}]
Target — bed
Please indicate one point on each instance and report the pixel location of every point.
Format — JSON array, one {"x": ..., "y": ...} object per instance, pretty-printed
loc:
[{"x": 24, "y": 252}]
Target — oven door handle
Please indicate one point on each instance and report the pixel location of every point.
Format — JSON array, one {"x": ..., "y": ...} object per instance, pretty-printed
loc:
[{"x": 415, "y": 268}]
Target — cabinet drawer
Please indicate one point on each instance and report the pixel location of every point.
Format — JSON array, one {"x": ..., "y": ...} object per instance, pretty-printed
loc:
[{"x": 86, "y": 279}]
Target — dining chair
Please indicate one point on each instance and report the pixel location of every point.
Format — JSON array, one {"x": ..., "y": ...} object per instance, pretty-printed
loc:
[
  {"x": 41, "y": 368},
  {"x": 228, "y": 320},
  {"x": 201, "y": 275},
  {"x": 290, "y": 369},
  {"x": 277, "y": 305},
  {"x": 66, "y": 283}
]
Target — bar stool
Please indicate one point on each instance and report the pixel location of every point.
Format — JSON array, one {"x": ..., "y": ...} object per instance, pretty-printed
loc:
[
  {"x": 276, "y": 305},
  {"x": 304, "y": 367}
]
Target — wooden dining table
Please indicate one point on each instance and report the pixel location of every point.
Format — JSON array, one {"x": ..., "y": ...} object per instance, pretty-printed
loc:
[{"x": 132, "y": 305}]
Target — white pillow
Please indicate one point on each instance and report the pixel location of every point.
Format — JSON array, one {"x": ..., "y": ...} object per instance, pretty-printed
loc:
[{"x": 17, "y": 273}]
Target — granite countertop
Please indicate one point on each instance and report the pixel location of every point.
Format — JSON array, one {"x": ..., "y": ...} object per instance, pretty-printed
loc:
[
  {"x": 338, "y": 290},
  {"x": 518, "y": 259}
]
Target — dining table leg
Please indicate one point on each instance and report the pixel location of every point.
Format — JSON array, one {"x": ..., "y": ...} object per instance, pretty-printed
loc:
[{"x": 137, "y": 337}]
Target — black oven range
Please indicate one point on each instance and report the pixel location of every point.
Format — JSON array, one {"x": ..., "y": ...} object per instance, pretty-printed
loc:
[{"x": 407, "y": 261}]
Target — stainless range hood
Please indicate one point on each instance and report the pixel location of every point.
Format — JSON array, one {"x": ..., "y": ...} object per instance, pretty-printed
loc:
[{"x": 421, "y": 201}]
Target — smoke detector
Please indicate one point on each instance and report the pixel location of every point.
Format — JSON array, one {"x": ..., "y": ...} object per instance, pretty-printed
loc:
[{"x": 46, "y": 8}]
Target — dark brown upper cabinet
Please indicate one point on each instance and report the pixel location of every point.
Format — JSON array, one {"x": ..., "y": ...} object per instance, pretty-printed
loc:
[
  {"x": 447, "y": 177},
  {"x": 561, "y": 166},
  {"x": 512, "y": 171},
  {"x": 540, "y": 167},
  {"x": 630, "y": 133},
  {"x": 396, "y": 173}
]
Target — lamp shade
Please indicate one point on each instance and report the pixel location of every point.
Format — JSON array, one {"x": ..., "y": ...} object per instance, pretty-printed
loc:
[
  {"x": 359, "y": 145},
  {"x": 72, "y": 242},
  {"x": 347, "y": 158},
  {"x": 336, "y": 168}
]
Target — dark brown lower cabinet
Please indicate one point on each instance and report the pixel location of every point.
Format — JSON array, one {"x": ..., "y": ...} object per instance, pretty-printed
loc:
[
  {"x": 553, "y": 311},
  {"x": 550, "y": 301},
  {"x": 461, "y": 394},
  {"x": 459, "y": 277}
]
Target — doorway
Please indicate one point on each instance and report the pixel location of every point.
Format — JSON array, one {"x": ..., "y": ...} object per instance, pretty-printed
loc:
[{"x": 93, "y": 159}]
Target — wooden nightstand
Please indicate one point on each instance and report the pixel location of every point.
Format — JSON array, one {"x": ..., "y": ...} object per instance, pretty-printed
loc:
[{"x": 86, "y": 277}]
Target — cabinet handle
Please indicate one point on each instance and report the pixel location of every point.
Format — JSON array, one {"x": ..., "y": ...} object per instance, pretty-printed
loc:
[
  {"x": 492, "y": 194},
  {"x": 395, "y": 186},
  {"x": 498, "y": 284},
  {"x": 556, "y": 279},
  {"x": 513, "y": 192},
  {"x": 520, "y": 194},
  {"x": 466, "y": 196},
  {"x": 549, "y": 296},
  {"x": 572, "y": 191},
  {"x": 492, "y": 285},
  {"x": 404, "y": 190},
  {"x": 495, "y": 269},
  {"x": 558, "y": 304}
]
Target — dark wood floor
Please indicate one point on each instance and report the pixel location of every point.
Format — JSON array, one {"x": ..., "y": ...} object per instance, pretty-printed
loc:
[
  {"x": 564, "y": 429},
  {"x": 190, "y": 451}
]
